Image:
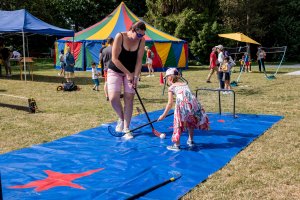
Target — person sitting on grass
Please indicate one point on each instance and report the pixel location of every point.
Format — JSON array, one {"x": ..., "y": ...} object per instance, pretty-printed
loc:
[
  {"x": 95, "y": 76},
  {"x": 188, "y": 112}
]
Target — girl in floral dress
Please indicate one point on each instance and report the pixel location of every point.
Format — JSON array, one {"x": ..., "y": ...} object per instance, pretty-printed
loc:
[{"x": 188, "y": 112}]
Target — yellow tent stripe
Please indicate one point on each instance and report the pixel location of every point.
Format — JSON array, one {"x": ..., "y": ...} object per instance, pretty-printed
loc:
[
  {"x": 148, "y": 27},
  {"x": 182, "y": 59},
  {"x": 169, "y": 37},
  {"x": 103, "y": 33},
  {"x": 163, "y": 50}
]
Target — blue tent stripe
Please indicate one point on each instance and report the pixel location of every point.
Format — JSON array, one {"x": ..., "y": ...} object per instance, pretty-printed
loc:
[
  {"x": 61, "y": 46},
  {"x": 120, "y": 25},
  {"x": 93, "y": 48},
  {"x": 177, "y": 48}
]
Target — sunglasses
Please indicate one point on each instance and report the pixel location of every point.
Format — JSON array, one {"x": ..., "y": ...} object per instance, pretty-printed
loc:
[{"x": 139, "y": 35}]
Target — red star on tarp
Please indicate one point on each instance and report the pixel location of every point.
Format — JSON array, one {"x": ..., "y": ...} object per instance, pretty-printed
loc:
[{"x": 56, "y": 179}]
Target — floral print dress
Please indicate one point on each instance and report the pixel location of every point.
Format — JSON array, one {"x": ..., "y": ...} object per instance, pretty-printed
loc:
[{"x": 188, "y": 111}]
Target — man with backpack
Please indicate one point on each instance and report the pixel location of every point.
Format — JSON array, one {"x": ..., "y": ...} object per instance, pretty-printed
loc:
[{"x": 149, "y": 60}]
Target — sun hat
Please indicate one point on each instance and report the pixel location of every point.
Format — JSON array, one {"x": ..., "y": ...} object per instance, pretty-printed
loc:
[
  {"x": 171, "y": 71},
  {"x": 220, "y": 47}
]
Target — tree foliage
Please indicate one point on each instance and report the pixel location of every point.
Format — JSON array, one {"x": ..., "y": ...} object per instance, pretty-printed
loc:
[{"x": 272, "y": 23}]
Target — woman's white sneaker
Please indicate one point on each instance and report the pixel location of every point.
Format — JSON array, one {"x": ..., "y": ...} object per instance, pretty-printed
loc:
[
  {"x": 120, "y": 126},
  {"x": 174, "y": 147},
  {"x": 128, "y": 135}
]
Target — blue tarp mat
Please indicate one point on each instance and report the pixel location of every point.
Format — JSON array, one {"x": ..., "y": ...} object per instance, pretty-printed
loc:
[{"x": 95, "y": 165}]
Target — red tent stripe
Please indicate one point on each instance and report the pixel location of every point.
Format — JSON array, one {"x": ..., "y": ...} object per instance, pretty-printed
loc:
[{"x": 127, "y": 20}]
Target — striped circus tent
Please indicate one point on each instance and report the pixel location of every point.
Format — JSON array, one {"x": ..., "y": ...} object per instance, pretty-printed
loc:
[{"x": 169, "y": 51}]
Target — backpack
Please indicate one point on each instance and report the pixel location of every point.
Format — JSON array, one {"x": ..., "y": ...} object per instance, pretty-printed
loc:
[
  {"x": 152, "y": 55},
  {"x": 69, "y": 86}
]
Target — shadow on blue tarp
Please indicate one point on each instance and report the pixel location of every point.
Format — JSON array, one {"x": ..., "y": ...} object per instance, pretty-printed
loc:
[{"x": 94, "y": 165}]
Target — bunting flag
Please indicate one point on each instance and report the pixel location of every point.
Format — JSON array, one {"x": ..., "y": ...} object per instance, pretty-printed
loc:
[{"x": 168, "y": 49}]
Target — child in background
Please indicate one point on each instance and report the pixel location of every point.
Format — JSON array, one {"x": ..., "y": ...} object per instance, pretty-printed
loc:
[
  {"x": 247, "y": 62},
  {"x": 188, "y": 112},
  {"x": 226, "y": 73},
  {"x": 250, "y": 64},
  {"x": 242, "y": 64},
  {"x": 62, "y": 63},
  {"x": 95, "y": 76},
  {"x": 149, "y": 61}
]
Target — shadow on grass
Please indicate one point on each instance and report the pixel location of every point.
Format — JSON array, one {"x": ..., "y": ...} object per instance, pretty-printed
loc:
[
  {"x": 152, "y": 100},
  {"x": 55, "y": 79},
  {"x": 196, "y": 68},
  {"x": 16, "y": 107},
  {"x": 140, "y": 86},
  {"x": 248, "y": 92}
]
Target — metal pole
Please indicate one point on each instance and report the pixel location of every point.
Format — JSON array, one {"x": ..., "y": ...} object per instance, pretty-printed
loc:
[
  {"x": 27, "y": 46},
  {"x": 233, "y": 96},
  {"x": 24, "y": 54},
  {"x": 220, "y": 110},
  {"x": 219, "y": 97},
  {"x": 281, "y": 60}
]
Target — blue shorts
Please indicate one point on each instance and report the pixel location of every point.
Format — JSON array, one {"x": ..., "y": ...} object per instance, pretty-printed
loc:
[{"x": 96, "y": 81}]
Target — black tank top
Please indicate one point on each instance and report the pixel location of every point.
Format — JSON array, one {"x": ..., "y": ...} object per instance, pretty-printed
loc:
[{"x": 127, "y": 58}]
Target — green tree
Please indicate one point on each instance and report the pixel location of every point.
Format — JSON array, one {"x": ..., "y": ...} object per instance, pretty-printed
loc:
[
  {"x": 285, "y": 29},
  {"x": 205, "y": 39}
]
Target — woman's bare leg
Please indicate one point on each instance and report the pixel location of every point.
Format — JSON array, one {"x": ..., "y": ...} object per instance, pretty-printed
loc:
[
  {"x": 128, "y": 108},
  {"x": 115, "y": 101}
]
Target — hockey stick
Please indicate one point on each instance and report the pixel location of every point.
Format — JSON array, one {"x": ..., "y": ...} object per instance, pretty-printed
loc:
[
  {"x": 155, "y": 132},
  {"x": 143, "y": 193},
  {"x": 112, "y": 131}
]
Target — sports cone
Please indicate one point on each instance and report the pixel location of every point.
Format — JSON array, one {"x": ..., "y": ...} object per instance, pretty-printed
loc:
[{"x": 161, "y": 79}]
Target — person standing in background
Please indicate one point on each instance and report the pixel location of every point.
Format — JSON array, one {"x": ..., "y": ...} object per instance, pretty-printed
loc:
[
  {"x": 212, "y": 64},
  {"x": 5, "y": 55},
  {"x": 149, "y": 61},
  {"x": 95, "y": 77},
  {"x": 261, "y": 55},
  {"x": 220, "y": 62},
  {"x": 106, "y": 56},
  {"x": 62, "y": 63},
  {"x": 70, "y": 63},
  {"x": 100, "y": 55}
]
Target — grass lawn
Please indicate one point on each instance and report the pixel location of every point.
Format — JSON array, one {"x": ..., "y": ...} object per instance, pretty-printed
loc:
[{"x": 267, "y": 169}]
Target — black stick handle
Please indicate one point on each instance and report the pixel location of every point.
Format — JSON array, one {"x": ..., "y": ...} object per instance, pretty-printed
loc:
[
  {"x": 151, "y": 122},
  {"x": 140, "y": 194},
  {"x": 143, "y": 107}
]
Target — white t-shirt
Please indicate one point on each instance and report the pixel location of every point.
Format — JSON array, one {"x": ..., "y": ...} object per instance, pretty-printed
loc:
[
  {"x": 220, "y": 57},
  {"x": 61, "y": 58},
  {"x": 94, "y": 73},
  {"x": 16, "y": 54},
  {"x": 261, "y": 54}
]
